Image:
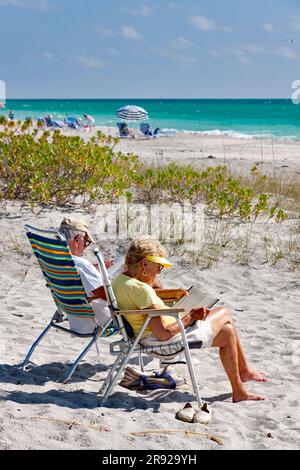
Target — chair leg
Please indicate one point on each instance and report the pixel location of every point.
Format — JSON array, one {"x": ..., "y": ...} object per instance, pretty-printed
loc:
[
  {"x": 80, "y": 357},
  {"x": 107, "y": 382},
  {"x": 127, "y": 355},
  {"x": 190, "y": 365},
  {"x": 29, "y": 354},
  {"x": 98, "y": 352},
  {"x": 141, "y": 362},
  {"x": 193, "y": 376}
]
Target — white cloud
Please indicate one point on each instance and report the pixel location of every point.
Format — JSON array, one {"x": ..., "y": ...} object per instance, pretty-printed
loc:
[
  {"x": 104, "y": 32},
  {"x": 141, "y": 11},
  {"x": 33, "y": 4},
  {"x": 294, "y": 22},
  {"x": 239, "y": 54},
  {"x": 90, "y": 62},
  {"x": 202, "y": 23},
  {"x": 47, "y": 55},
  {"x": 286, "y": 52},
  {"x": 129, "y": 32},
  {"x": 180, "y": 59},
  {"x": 270, "y": 28},
  {"x": 214, "y": 54},
  {"x": 226, "y": 29},
  {"x": 246, "y": 53},
  {"x": 180, "y": 43},
  {"x": 254, "y": 49},
  {"x": 110, "y": 51}
]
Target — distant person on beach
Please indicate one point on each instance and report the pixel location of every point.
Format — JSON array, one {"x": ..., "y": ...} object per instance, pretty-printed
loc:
[
  {"x": 125, "y": 131},
  {"x": 90, "y": 122},
  {"x": 11, "y": 114},
  {"x": 133, "y": 289},
  {"x": 79, "y": 238}
]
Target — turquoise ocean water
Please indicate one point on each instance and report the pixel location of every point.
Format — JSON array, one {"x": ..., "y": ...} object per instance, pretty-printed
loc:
[{"x": 240, "y": 117}]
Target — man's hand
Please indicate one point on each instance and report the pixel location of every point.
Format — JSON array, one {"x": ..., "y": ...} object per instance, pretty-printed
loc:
[
  {"x": 108, "y": 263},
  {"x": 200, "y": 313},
  {"x": 98, "y": 293}
]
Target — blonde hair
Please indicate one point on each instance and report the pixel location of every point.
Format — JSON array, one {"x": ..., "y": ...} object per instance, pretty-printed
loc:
[{"x": 142, "y": 247}]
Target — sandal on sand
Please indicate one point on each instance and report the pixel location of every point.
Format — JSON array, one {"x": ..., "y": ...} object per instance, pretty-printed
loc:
[
  {"x": 186, "y": 413},
  {"x": 167, "y": 379},
  {"x": 203, "y": 415}
]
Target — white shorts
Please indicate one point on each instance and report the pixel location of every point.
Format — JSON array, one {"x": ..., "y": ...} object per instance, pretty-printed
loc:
[{"x": 200, "y": 334}]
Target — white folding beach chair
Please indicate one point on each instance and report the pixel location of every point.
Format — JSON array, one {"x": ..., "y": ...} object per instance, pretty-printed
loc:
[{"x": 130, "y": 345}]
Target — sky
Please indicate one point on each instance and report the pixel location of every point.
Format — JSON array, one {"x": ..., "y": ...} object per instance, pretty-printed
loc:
[{"x": 142, "y": 49}]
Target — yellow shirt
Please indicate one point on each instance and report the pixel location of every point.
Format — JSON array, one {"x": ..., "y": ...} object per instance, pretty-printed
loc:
[{"x": 132, "y": 294}]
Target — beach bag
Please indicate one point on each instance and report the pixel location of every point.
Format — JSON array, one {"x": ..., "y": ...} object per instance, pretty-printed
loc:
[{"x": 168, "y": 379}]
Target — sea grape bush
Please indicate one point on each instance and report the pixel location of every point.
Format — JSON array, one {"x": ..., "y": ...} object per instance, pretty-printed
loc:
[
  {"x": 61, "y": 169},
  {"x": 48, "y": 168}
]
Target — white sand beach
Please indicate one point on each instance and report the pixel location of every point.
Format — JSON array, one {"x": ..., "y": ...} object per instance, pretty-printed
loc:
[
  {"x": 37, "y": 411},
  {"x": 274, "y": 156}
]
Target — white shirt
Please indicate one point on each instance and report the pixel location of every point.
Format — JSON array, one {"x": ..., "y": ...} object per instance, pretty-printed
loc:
[
  {"x": 90, "y": 119},
  {"x": 91, "y": 279}
]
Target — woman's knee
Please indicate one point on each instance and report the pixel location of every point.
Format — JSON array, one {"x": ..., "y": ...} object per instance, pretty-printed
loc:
[
  {"x": 228, "y": 330},
  {"x": 224, "y": 313},
  {"x": 225, "y": 336}
]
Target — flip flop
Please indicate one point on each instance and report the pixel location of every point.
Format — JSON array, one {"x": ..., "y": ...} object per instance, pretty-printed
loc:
[
  {"x": 203, "y": 415},
  {"x": 186, "y": 414}
]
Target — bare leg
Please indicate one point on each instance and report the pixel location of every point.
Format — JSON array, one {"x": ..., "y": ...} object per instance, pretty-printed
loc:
[
  {"x": 225, "y": 338},
  {"x": 246, "y": 373},
  {"x": 220, "y": 317}
]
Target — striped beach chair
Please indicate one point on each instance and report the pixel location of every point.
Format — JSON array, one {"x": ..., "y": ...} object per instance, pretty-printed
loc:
[{"x": 62, "y": 278}]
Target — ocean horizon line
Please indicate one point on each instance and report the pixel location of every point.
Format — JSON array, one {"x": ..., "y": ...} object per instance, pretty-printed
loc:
[{"x": 146, "y": 99}]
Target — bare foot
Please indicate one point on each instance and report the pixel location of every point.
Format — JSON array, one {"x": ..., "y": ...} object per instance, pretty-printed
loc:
[
  {"x": 253, "y": 375},
  {"x": 243, "y": 395}
]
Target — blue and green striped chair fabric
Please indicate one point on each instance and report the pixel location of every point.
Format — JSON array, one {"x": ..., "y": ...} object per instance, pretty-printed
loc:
[{"x": 59, "y": 270}]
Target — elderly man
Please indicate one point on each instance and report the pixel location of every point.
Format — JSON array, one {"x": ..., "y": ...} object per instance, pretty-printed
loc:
[{"x": 78, "y": 237}]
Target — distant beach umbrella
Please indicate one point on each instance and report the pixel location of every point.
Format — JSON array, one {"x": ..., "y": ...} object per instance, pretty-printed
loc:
[
  {"x": 132, "y": 113},
  {"x": 2, "y": 105}
]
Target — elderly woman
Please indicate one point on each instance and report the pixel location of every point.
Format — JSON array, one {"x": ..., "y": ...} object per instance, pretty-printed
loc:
[{"x": 145, "y": 259}]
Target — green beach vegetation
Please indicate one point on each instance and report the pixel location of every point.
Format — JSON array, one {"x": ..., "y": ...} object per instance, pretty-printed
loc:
[{"x": 50, "y": 169}]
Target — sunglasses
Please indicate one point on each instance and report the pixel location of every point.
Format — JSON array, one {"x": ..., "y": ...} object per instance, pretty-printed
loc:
[
  {"x": 160, "y": 267},
  {"x": 87, "y": 241}
]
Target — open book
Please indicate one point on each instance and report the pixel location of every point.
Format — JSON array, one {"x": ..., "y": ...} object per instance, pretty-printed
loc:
[{"x": 195, "y": 299}]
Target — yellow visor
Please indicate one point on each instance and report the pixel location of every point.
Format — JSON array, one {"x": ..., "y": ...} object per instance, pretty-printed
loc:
[{"x": 159, "y": 260}]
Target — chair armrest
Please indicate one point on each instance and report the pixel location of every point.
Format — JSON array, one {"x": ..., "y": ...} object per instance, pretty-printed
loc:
[{"x": 170, "y": 312}]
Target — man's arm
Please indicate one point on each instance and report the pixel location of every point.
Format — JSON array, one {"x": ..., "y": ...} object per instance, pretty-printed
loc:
[{"x": 98, "y": 293}]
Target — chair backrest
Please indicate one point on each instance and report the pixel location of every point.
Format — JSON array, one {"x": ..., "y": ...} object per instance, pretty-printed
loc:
[
  {"x": 48, "y": 121},
  {"x": 58, "y": 267},
  {"x": 111, "y": 299},
  {"x": 72, "y": 122},
  {"x": 145, "y": 128}
]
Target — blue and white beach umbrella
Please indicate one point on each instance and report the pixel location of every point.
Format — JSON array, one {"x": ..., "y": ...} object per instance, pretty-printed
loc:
[{"x": 132, "y": 113}]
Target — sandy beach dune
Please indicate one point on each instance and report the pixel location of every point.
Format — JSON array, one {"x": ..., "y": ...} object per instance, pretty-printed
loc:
[{"x": 39, "y": 412}]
